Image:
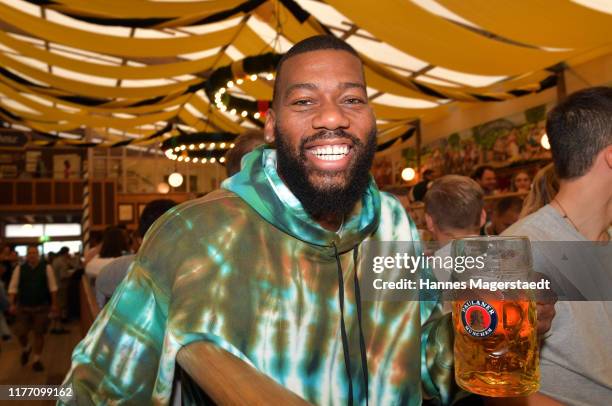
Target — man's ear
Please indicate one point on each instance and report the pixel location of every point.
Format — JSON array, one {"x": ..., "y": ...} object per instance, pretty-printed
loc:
[
  {"x": 608, "y": 156},
  {"x": 270, "y": 126},
  {"x": 483, "y": 218},
  {"x": 430, "y": 223}
]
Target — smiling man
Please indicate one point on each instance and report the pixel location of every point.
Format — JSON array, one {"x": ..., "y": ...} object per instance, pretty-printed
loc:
[{"x": 267, "y": 268}]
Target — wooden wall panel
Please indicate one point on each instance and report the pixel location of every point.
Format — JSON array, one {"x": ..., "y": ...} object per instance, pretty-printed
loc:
[
  {"x": 62, "y": 193},
  {"x": 109, "y": 203},
  {"x": 25, "y": 194},
  {"x": 97, "y": 207},
  {"x": 43, "y": 191},
  {"x": 7, "y": 193}
]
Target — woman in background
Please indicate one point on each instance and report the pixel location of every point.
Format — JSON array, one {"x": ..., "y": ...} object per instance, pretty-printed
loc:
[
  {"x": 521, "y": 182},
  {"x": 544, "y": 189},
  {"x": 114, "y": 244}
]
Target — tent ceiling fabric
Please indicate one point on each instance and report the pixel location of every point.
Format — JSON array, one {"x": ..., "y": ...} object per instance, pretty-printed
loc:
[{"x": 132, "y": 71}]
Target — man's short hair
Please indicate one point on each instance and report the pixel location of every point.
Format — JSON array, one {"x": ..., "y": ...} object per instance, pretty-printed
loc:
[
  {"x": 152, "y": 211},
  {"x": 509, "y": 203},
  {"x": 455, "y": 202},
  {"x": 64, "y": 251},
  {"x": 477, "y": 174},
  {"x": 316, "y": 43},
  {"x": 578, "y": 129},
  {"x": 243, "y": 144}
]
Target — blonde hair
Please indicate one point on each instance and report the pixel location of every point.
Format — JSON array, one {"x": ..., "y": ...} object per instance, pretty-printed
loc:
[{"x": 544, "y": 188}]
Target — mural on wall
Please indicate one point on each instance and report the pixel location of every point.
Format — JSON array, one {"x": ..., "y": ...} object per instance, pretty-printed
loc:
[{"x": 507, "y": 141}]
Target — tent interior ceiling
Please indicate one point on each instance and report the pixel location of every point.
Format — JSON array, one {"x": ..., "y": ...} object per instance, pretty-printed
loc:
[{"x": 128, "y": 70}]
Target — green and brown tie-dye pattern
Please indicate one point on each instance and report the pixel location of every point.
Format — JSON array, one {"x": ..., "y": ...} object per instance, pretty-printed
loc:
[{"x": 247, "y": 269}]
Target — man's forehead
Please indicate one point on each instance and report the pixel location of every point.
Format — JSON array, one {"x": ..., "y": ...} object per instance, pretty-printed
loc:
[{"x": 328, "y": 64}]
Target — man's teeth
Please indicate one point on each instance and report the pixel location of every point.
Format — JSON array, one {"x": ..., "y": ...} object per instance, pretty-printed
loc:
[{"x": 330, "y": 152}]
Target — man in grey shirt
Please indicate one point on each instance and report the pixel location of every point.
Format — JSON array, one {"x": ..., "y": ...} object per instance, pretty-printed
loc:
[
  {"x": 113, "y": 273},
  {"x": 576, "y": 359}
]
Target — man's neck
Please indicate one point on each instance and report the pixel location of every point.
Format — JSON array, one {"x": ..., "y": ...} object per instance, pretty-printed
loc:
[
  {"x": 587, "y": 204},
  {"x": 330, "y": 222},
  {"x": 33, "y": 264}
]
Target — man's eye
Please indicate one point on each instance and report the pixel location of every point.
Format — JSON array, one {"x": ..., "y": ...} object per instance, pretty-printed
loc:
[
  {"x": 354, "y": 100},
  {"x": 302, "y": 102}
]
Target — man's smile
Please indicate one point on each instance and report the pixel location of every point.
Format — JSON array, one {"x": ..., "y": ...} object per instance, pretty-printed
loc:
[{"x": 330, "y": 154}]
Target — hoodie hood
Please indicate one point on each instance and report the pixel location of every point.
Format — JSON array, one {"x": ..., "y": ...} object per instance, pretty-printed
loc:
[{"x": 259, "y": 184}]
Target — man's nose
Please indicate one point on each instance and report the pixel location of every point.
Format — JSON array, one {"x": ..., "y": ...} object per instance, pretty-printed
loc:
[{"x": 330, "y": 116}]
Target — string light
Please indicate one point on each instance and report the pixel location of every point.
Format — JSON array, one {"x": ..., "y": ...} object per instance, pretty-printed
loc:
[
  {"x": 244, "y": 113},
  {"x": 222, "y": 159},
  {"x": 191, "y": 147},
  {"x": 253, "y": 77},
  {"x": 213, "y": 160},
  {"x": 202, "y": 145},
  {"x": 230, "y": 84},
  {"x": 239, "y": 81},
  {"x": 257, "y": 115}
]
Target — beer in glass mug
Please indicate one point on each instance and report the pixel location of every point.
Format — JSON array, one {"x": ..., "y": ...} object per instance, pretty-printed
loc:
[{"x": 496, "y": 345}]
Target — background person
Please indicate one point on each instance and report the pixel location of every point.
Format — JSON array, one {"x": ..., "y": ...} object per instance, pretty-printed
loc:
[
  {"x": 575, "y": 366},
  {"x": 62, "y": 267},
  {"x": 33, "y": 293},
  {"x": 114, "y": 244},
  {"x": 506, "y": 212},
  {"x": 486, "y": 178},
  {"x": 113, "y": 273},
  {"x": 521, "y": 182},
  {"x": 544, "y": 189},
  {"x": 243, "y": 144},
  {"x": 454, "y": 208},
  {"x": 419, "y": 190}
]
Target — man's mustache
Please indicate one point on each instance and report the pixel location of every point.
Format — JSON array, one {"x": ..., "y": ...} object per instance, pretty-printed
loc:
[{"x": 326, "y": 135}]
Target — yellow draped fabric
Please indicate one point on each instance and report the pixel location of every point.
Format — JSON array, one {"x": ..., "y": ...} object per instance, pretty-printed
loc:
[
  {"x": 560, "y": 24},
  {"x": 145, "y": 8},
  {"x": 113, "y": 45},
  {"x": 428, "y": 37},
  {"x": 526, "y": 31},
  {"x": 111, "y": 71}
]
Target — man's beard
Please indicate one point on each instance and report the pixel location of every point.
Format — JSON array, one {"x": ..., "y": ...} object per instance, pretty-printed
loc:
[{"x": 339, "y": 191}]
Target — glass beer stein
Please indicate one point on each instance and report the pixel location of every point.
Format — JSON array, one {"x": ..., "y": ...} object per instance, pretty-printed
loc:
[{"x": 496, "y": 345}]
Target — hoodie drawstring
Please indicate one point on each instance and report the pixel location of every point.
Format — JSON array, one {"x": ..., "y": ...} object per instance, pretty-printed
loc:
[{"x": 345, "y": 344}]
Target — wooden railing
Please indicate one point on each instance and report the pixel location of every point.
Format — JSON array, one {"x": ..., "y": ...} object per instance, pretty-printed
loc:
[
  {"x": 89, "y": 306},
  {"x": 228, "y": 380},
  {"x": 41, "y": 194}
]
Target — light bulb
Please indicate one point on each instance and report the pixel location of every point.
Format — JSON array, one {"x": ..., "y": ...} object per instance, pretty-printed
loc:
[
  {"x": 408, "y": 174},
  {"x": 544, "y": 141},
  {"x": 175, "y": 179}
]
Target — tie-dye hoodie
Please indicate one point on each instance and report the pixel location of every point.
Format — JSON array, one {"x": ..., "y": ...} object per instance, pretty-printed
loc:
[{"x": 246, "y": 268}]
